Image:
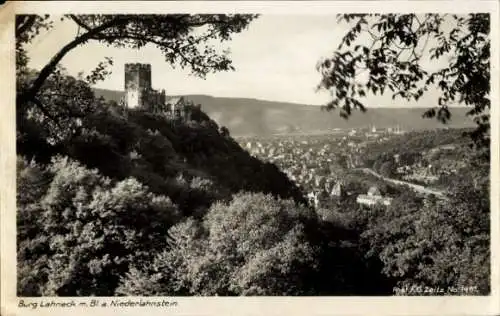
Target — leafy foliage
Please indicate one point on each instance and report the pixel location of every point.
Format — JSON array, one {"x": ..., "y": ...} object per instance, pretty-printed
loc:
[
  {"x": 255, "y": 245},
  {"x": 435, "y": 243},
  {"x": 183, "y": 39},
  {"x": 67, "y": 101},
  {"x": 85, "y": 230},
  {"x": 395, "y": 60}
]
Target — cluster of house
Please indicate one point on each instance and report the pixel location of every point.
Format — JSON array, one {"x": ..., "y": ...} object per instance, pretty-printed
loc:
[
  {"x": 373, "y": 197},
  {"x": 425, "y": 175},
  {"x": 316, "y": 197},
  {"x": 309, "y": 163},
  {"x": 373, "y": 132}
]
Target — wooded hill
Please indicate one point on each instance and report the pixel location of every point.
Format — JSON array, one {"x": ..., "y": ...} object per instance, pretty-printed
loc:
[{"x": 250, "y": 117}]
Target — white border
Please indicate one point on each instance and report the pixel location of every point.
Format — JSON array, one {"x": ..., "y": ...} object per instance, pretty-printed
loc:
[{"x": 254, "y": 305}]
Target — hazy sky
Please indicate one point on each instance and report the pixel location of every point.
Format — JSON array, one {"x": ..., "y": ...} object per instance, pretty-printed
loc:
[{"x": 275, "y": 59}]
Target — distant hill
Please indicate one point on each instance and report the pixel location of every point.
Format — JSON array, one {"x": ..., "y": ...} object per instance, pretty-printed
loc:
[{"x": 248, "y": 117}]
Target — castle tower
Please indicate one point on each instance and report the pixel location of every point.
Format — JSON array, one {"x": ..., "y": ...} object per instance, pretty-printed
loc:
[{"x": 137, "y": 84}]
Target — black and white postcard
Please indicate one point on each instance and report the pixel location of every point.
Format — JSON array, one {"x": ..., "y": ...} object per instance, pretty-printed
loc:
[{"x": 249, "y": 158}]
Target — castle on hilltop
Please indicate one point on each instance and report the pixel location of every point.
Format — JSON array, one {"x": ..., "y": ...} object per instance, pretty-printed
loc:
[{"x": 140, "y": 95}]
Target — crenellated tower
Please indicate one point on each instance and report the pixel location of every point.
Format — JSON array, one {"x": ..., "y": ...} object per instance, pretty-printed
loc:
[{"x": 137, "y": 84}]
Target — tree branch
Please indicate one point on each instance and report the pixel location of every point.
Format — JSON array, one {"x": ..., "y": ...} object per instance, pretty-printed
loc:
[
  {"x": 415, "y": 17},
  {"x": 153, "y": 41},
  {"x": 51, "y": 65},
  {"x": 374, "y": 37},
  {"x": 79, "y": 22},
  {"x": 425, "y": 44},
  {"x": 95, "y": 33}
]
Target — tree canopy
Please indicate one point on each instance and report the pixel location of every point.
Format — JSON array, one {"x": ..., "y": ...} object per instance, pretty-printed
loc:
[
  {"x": 184, "y": 40},
  {"x": 408, "y": 55}
]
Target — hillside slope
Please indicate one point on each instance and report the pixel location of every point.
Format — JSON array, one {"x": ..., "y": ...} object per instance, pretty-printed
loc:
[
  {"x": 184, "y": 161},
  {"x": 248, "y": 117}
]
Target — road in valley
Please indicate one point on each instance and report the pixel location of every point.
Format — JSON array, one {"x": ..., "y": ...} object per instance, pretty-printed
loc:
[{"x": 416, "y": 187}]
